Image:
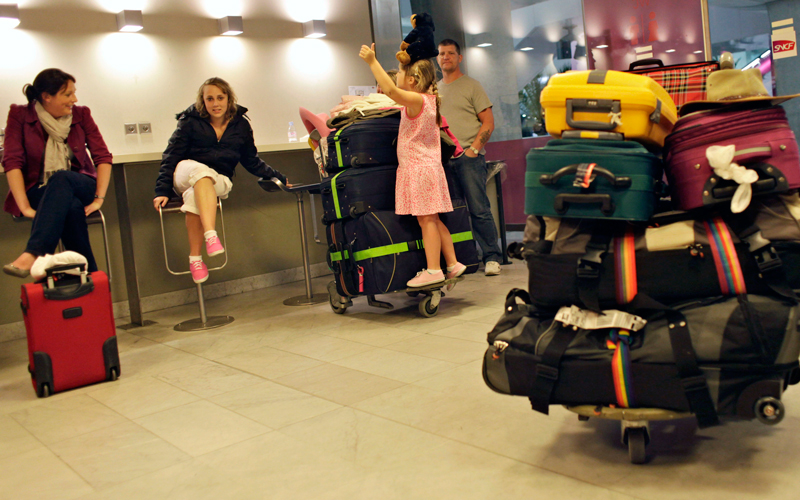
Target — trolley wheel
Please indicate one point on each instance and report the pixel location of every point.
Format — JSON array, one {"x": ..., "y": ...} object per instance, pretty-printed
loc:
[
  {"x": 637, "y": 444},
  {"x": 334, "y": 299},
  {"x": 769, "y": 410},
  {"x": 412, "y": 294},
  {"x": 426, "y": 309}
]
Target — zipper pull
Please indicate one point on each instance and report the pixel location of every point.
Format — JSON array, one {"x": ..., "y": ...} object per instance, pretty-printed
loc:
[
  {"x": 499, "y": 347},
  {"x": 360, "y": 279},
  {"x": 696, "y": 250}
]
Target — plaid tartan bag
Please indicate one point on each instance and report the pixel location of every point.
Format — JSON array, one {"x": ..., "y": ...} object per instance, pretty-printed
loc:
[{"x": 683, "y": 82}]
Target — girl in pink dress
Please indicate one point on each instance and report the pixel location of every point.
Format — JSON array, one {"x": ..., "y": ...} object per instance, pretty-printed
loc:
[{"x": 421, "y": 188}]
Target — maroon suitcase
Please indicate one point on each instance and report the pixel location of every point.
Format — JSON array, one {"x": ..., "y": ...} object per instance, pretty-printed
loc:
[
  {"x": 71, "y": 335},
  {"x": 764, "y": 143}
]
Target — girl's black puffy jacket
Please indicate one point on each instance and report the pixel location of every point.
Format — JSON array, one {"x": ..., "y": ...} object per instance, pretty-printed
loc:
[{"x": 195, "y": 139}]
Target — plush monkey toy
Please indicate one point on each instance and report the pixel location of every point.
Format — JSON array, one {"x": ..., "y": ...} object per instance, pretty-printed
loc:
[{"x": 419, "y": 44}]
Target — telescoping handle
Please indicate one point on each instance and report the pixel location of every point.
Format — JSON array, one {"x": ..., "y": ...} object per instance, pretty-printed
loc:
[
  {"x": 650, "y": 61},
  {"x": 591, "y": 106},
  {"x": 70, "y": 291},
  {"x": 616, "y": 181}
]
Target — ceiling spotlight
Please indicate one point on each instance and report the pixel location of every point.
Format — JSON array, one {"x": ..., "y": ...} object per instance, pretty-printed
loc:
[
  {"x": 9, "y": 16},
  {"x": 602, "y": 46},
  {"x": 525, "y": 49}
]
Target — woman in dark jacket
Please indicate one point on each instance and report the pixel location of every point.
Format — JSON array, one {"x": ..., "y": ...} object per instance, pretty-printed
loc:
[
  {"x": 212, "y": 137},
  {"x": 51, "y": 178}
]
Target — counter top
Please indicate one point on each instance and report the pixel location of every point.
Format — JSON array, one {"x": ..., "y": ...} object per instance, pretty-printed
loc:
[{"x": 266, "y": 148}]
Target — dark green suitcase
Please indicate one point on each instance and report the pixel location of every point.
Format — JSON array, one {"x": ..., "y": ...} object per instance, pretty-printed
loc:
[{"x": 592, "y": 179}]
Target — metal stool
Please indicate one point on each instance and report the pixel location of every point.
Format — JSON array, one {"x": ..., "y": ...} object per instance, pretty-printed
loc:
[
  {"x": 94, "y": 218},
  {"x": 203, "y": 322},
  {"x": 271, "y": 185}
]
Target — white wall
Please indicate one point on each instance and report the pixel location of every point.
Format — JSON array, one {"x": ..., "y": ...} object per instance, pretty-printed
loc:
[{"x": 151, "y": 75}]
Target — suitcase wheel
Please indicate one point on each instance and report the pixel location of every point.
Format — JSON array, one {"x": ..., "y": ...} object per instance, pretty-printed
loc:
[
  {"x": 43, "y": 391},
  {"x": 769, "y": 410},
  {"x": 427, "y": 308},
  {"x": 637, "y": 444},
  {"x": 113, "y": 374},
  {"x": 338, "y": 306}
]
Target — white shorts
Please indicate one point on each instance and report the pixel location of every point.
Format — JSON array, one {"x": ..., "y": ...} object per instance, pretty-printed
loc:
[{"x": 188, "y": 172}]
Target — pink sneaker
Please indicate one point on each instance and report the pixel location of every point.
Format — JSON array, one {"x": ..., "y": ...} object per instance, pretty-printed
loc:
[
  {"x": 424, "y": 278},
  {"x": 214, "y": 247},
  {"x": 457, "y": 271},
  {"x": 199, "y": 271}
]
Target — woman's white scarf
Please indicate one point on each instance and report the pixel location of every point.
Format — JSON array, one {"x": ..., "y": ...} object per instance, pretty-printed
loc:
[{"x": 56, "y": 152}]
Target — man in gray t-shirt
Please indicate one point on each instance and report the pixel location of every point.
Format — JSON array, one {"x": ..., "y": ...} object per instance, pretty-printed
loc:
[{"x": 469, "y": 114}]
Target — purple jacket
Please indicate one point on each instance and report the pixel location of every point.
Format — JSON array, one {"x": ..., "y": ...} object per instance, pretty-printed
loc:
[{"x": 25, "y": 142}]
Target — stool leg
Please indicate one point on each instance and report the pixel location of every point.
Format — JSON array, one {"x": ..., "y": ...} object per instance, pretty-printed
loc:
[
  {"x": 203, "y": 322},
  {"x": 309, "y": 298},
  {"x": 201, "y": 301}
]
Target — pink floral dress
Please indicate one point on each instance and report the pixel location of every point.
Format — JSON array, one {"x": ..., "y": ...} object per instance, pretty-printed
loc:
[{"x": 421, "y": 187}]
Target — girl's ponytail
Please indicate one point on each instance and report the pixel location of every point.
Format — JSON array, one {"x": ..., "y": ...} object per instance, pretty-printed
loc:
[{"x": 435, "y": 91}]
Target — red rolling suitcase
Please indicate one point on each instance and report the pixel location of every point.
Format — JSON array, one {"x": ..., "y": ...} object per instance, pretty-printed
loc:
[
  {"x": 763, "y": 142},
  {"x": 71, "y": 335}
]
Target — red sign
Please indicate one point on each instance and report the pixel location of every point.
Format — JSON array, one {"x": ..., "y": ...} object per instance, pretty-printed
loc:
[{"x": 783, "y": 46}]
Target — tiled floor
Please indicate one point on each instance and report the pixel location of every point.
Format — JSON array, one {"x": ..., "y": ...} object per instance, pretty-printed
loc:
[{"x": 301, "y": 403}]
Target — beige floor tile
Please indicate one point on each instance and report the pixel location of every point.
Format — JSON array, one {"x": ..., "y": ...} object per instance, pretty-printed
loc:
[
  {"x": 429, "y": 325},
  {"x": 213, "y": 345},
  {"x": 274, "y": 405},
  {"x": 339, "y": 384},
  {"x": 284, "y": 467},
  {"x": 65, "y": 416},
  {"x": 446, "y": 349},
  {"x": 365, "y": 439},
  {"x": 39, "y": 475},
  {"x": 466, "y": 380},
  {"x": 14, "y": 439},
  {"x": 186, "y": 481},
  {"x": 201, "y": 427},
  {"x": 455, "y": 470},
  {"x": 155, "y": 359},
  {"x": 371, "y": 333},
  {"x": 16, "y": 391},
  {"x": 117, "y": 454},
  {"x": 207, "y": 379},
  {"x": 141, "y": 396},
  {"x": 127, "y": 341},
  {"x": 395, "y": 365},
  {"x": 322, "y": 347},
  {"x": 468, "y": 330},
  {"x": 268, "y": 362}
]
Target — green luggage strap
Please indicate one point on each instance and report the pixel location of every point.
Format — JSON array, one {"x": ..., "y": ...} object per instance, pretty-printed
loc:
[
  {"x": 336, "y": 141},
  {"x": 372, "y": 253},
  {"x": 334, "y": 192}
]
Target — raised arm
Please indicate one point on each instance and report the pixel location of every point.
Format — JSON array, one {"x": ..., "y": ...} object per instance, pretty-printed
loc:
[{"x": 411, "y": 100}]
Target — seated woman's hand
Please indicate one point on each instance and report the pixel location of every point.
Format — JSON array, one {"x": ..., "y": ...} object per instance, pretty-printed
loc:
[
  {"x": 160, "y": 201},
  {"x": 28, "y": 212},
  {"x": 93, "y": 207}
]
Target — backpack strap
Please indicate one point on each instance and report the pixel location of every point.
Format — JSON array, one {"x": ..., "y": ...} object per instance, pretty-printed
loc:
[{"x": 547, "y": 369}]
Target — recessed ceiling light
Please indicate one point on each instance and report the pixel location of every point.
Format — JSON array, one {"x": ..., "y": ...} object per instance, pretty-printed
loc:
[
  {"x": 669, "y": 51},
  {"x": 525, "y": 49},
  {"x": 602, "y": 46}
]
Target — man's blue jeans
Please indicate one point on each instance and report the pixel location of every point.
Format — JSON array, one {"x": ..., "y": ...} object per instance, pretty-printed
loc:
[{"x": 471, "y": 175}]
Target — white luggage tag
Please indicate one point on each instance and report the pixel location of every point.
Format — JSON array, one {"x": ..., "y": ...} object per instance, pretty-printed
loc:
[{"x": 590, "y": 320}]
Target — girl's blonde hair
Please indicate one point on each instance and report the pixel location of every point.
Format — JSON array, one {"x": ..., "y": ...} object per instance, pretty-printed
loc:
[
  {"x": 226, "y": 89},
  {"x": 425, "y": 75}
]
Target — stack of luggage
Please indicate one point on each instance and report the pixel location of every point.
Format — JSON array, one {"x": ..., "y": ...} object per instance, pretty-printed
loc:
[
  {"x": 371, "y": 249},
  {"x": 637, "y": 299}
]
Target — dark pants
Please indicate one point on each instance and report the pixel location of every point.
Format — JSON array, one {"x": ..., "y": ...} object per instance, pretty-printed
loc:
[
  {"x": 471, "y": 175},
  {"x": 60, "y": 215}
]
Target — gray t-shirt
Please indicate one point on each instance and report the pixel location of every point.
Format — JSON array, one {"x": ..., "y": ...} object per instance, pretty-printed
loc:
[{"x": 462, "y": 100}]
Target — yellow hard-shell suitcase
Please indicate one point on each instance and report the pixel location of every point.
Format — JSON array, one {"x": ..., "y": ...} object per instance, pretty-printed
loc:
[{"x": 609, "y": 101}]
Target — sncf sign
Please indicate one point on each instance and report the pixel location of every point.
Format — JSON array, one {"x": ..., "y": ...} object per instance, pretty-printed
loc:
[{"x": 783, "y": 46}]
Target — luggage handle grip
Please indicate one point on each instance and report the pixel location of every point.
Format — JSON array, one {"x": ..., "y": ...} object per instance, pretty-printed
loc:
[
  {"x": 562, "y": 202},
  {"x": 591, "y": 106},
  {"x": 727, "y": 192},
  {"x": 646, "y": 62},
  {"x": 622, "y": 182}
]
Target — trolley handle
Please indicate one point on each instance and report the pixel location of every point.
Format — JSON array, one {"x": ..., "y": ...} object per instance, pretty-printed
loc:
[
  {"x": 620, "y": 182},
  {"x": 562, "y": 202},
  {"x": 591, "y": 106},
  {"x": 651, "y": 61}
]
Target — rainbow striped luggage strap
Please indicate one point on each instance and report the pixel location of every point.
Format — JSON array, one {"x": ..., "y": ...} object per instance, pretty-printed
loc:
[
  {"x": 619, "y": 340},
  {"x": 729, "y": 271}
]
